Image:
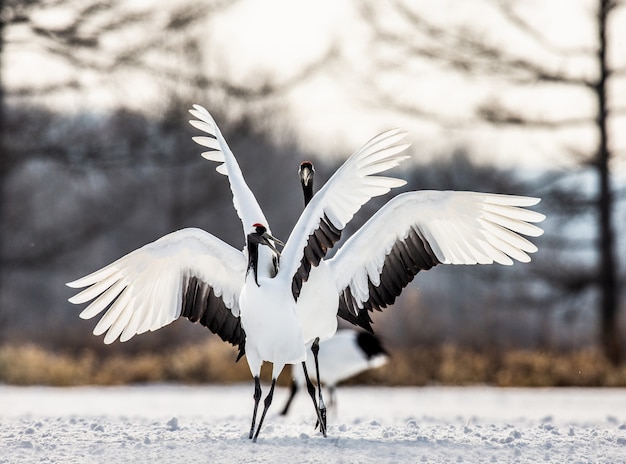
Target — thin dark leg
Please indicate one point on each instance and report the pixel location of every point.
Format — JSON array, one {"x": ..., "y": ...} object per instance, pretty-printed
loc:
[
  {"x": 315, "y": 348},
  {"x": 257, "y": 398},
  {"x": 268, "y": 401},
  {"x": 311, "y": 389},
  {"x": 292, "y": 393}
]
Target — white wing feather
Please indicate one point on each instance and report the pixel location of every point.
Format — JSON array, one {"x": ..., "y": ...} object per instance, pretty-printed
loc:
[
  {"x": 244, "y": 200},
  {"x": 144, "y": 288},
  {"x": 460, "y": 228},
  {"x": 353, "y": 185}
]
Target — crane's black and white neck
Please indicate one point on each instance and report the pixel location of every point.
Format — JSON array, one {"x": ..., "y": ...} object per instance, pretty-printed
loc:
[
  {"x": 307, "y": 175},
  {"x": 258, "y": 237}
]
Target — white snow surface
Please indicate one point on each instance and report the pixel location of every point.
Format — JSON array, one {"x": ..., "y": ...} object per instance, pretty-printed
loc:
[{"x": 206, "y": 424}]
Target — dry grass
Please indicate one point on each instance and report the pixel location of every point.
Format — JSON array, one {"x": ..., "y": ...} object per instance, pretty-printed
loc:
[
  {"x": 213, "y": 362},
  {"x": 201, "y": 363},
  {"x": 451, "y": 365}
]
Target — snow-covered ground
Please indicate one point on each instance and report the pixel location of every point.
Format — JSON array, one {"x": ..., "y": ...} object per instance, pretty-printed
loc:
[{"x": 207, "y": 424}]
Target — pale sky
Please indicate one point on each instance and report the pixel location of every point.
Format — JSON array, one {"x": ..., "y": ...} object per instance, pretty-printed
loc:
[
  {"x": 333, "y": 111},
  {"x": 279, "y": 36}
]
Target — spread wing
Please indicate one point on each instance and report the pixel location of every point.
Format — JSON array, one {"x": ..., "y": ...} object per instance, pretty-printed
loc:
[
  {"x": 418, "y": 230},
  {"x": 244, "y": 200},
  {"x": 354, "y": 184},
  {"x": 187, "y": 273}
]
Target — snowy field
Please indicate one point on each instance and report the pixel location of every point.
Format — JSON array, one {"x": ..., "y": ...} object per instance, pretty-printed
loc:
[{"x": 209, "y": 424}]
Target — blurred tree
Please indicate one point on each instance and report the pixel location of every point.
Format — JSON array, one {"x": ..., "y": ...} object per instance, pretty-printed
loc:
[
  {"x": 99, "y": 45},
  {"x": 91, "y": 41},
  {"x": 468, "y": 50},
  {"x": 70, "y": 215},
  {"x": 80, "y": 42}
]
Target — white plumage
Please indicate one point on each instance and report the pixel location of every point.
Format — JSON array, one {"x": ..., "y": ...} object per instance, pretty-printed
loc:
[
  {"x": 145, "y": 286},
  {"x": 436, "y": 227}
]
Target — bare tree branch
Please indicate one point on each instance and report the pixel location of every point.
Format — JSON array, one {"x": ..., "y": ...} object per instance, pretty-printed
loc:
[
  {"x": 497, "y": 114},
  {"x": 77, "y": 48},
  {"x": 42, "y": 90},
  {"x": 464, "y": 52},
  {"x": 507, "y": 9}
]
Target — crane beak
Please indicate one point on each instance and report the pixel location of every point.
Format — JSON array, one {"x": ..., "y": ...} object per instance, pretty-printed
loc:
[
  {"x": 270, "y": 240},
  {"x": 306, "y": 175}
]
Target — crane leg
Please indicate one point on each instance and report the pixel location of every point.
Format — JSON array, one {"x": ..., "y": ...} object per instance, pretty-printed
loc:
[
  {"x": 257, "y": 398},
  {"x": 268, "y": 401},
  {"x": 311, "y": 389},
  {"x": 315, "y": 348}
]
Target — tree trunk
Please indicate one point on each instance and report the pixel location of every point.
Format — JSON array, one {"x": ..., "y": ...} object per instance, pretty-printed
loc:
[
  {"x": 608, "y": 282},
  {"x": 4, "y": 170}
]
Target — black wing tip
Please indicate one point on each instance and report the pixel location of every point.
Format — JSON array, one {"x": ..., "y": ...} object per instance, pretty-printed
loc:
[
  {"x": 242, "y": 352},
  {"x": 407, "y": 257}
]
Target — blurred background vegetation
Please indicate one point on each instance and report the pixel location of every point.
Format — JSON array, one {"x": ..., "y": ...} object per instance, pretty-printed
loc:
[{"x": 97, "y": 160}]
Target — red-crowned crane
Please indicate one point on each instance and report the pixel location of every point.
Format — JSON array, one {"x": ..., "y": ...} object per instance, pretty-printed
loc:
[
  {"x": 246, "y": 297},
  {"x": 414, "y": 231}
]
